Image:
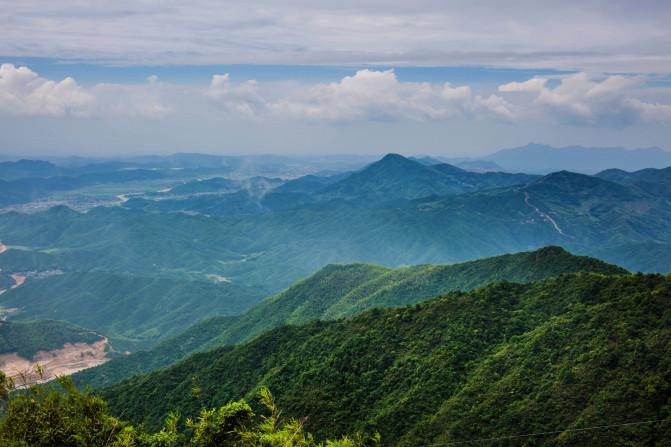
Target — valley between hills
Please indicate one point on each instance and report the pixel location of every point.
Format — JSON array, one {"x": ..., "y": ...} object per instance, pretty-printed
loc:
[{"x": 409, "y": 299}]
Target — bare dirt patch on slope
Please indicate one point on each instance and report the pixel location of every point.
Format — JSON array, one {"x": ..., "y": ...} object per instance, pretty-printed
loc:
[
  {"x": 67, "y": 360},
  {"x": 18, "y": 280}
]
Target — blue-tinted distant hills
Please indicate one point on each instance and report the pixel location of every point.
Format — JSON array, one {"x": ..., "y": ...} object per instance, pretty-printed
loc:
[
  {"x": 543, "y": 159},
  {"x": 395, "y": 178},
  {"x": 14, "y": 170}
]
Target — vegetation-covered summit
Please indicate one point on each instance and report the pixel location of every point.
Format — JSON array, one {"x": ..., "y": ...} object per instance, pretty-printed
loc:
[
  {"x": 574, "y": 351},
  {"x": 26, "y": 338},
  {"x": 341, "y": 290},
  {"x": 133, "y": 310}
]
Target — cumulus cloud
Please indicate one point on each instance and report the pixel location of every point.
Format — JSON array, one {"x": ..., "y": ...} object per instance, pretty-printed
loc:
[
  {"x": 131, "y": 101},
  {"x": 23, "y": 92},
  {"x": 366, "y": 95},
  {"x": 241, "y": 98},
  {"x": 586, "y": 100}
]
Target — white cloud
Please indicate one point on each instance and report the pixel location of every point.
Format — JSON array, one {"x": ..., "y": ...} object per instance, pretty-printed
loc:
[
  {"x": 241, "y": 98},
  {"x": 132, "y": 101},
  {"x": 23, "y": 92},
  {"x": 366, "y": 95},
  {"x": 532, "y": 85},
  {"x": 586, "y": 100}
]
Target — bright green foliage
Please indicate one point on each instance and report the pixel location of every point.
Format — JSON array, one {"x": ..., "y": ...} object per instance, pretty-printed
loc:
[
  {"x": 579, "y": 350},
  {"x": 46, "y": 417},
  {"x": 28, "y": 337},
  {"x": 342, "y": 290},
  {"x": 66, "y": 417},
  {"x": 225, "y": 426},
  {"x": 133, "y": 310},
  {"x": 6, "y": 386}
]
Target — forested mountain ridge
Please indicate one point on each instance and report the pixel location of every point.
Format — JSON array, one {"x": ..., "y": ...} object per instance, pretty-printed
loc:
[
  {"x": 338, "y": 291},
  {"x": 588, "y": 215},
  {"x": 578, "y": 350},
  {"x": 28, "y": 337},
  {"x": 395, "y": 178},
  {"x": 133, "y": 310}
]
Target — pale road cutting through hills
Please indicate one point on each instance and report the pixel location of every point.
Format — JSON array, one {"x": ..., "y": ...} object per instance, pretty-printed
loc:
[{"x": 543, "y": 216}]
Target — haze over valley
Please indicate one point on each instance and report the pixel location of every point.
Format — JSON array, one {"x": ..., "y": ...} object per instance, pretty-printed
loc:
[{"x": 335, "y": 224}]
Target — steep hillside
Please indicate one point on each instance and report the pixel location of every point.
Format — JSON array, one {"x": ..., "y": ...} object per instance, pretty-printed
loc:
[
  {"x": 337, "y": 291},
  {"x": 508, "y": 359},
  {"x": 395, "y": 177},
  {"x": 273, "y": 249},
  {"x": 652, "y": 181},
  {"x": 134, "y": 311},
  {"x": 28, "y": 337},
  {"x": 59, "y": 348}
]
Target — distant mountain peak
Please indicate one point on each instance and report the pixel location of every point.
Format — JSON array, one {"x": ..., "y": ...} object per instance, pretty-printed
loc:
[
  {"x": 394, "y": 157},
  {"x": 395, "y": 160},
  {"x": 542, "y": 158}
]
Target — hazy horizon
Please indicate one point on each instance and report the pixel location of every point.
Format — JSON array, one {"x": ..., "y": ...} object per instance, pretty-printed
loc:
[{"x": 452, "y": 78}]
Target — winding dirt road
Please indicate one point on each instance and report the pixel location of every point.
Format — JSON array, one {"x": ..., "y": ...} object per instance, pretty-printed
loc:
[{"x": 543, "y": 215}]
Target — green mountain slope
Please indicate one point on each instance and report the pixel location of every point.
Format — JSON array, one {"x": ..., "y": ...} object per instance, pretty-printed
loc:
[
  {"x": 134, "y": 311},
  {"x": 574, "y": 351},
  {"x": 337, "y": 291},
  {"x": 273, "y": 249},
  {"x": 649, "y": 175},
  {"x": 647, "y": 256},
  {"x": 28, "y": 337},
  {"x": 395, "y": 177}
]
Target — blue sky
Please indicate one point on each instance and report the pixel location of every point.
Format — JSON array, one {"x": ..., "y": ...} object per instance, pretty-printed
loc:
[
  {"x": 445, "y": 77},
  {"x": 91, "y": 73}
]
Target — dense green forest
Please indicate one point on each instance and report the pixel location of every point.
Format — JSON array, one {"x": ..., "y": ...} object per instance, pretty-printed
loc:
[
  {"x": 579, "y": 350},
  {"x": 133, "y": 310},
  {"x": 272, "y": 249},
  {"x": 28, "y": 337},
  {"x": 342, "y": 290},
  {"x": 395, "y": 328},
  {"x": 64, "y": 416}
]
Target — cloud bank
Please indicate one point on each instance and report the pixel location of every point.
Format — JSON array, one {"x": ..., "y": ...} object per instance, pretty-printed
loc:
[
  {"x": 594, "y": 35},
  {"x": 365, "y": 96},
  {"x": 584, "y": 100},
  {"x": 23, "y": 92}
]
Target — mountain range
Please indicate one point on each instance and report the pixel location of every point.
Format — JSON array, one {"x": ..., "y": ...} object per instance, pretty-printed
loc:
[
  {"x": 577, "y": 350},
  {"x": 341, "y": 290},
  {"x": 543, "y": 159},
  {"x": 381, "y": 299}
]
